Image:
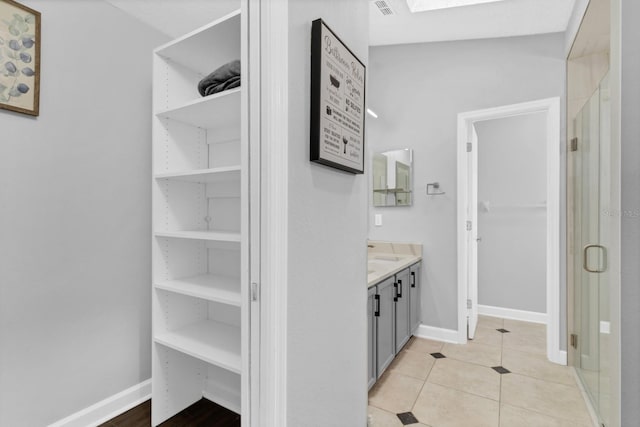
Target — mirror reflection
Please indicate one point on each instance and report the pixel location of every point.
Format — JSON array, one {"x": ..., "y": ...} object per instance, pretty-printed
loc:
[{"x": 392, "y": 178}]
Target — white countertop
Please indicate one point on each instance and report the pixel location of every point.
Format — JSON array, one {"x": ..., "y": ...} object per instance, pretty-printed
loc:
[
  {"x": 382, "y": 265},
  {"x": 387, "y": 258}
]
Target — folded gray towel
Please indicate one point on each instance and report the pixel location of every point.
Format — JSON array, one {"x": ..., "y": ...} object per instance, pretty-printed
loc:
[{"x": 224, "y": 78}]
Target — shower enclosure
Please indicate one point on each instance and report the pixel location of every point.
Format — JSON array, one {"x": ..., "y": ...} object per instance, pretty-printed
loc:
[{"x": 589, "y": 247}]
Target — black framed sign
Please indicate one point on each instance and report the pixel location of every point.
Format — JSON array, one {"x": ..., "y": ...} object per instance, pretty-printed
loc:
[{"x": 337, "y": 102}]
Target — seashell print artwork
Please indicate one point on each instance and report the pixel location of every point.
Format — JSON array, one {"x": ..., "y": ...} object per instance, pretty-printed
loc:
[{"x": 19, "y": 58}]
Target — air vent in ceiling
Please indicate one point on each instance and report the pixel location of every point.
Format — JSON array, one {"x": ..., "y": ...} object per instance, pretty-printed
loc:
[{"x": 384, "y": 7}]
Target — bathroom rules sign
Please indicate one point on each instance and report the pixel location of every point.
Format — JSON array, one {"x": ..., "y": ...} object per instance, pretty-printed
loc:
[{"x": 337, "y": 102}]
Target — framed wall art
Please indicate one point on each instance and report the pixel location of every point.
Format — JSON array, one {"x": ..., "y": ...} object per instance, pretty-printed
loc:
[
  {"x": 337, "y": 102},
  {"x": 19, "y": 58}
]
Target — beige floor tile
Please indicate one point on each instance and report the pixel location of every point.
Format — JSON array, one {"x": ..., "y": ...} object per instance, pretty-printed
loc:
[
  {"x": 488, "y": 336},
  {"x": 423, "y": 346},
  {"x": 445, "y": 407},
  {"x": 490, "y": 322},
  {"x": 590, "y": 380},
  {"x": 380, "y": 418},
  {"x": 395, "y": 392},
  {"x": 377, "y": 417},
  {"x": 528, "y": 341},
  {"x": 536, "y": 366},
  {"x": 520, "y": 326},
  {"x": 413, "y": 364},
  {"x": 480, "y": 354},
  {"x": 510, "y": 416},
  {"x": 553, "y": 399},
  {"x": 467, "y": 377}
]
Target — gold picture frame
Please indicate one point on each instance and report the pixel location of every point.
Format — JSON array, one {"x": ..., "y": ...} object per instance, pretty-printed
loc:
[{"x": 19, "y": 58}]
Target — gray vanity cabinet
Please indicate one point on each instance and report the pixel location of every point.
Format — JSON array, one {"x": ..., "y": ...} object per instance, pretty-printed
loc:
[
  {"x": 393, "y": 315},
  {"x": 385, "y": 324},
  {"x": 414, "y": 298},
  {"x": 372, "y": 308},
  {"x": 401, "y": 298}
]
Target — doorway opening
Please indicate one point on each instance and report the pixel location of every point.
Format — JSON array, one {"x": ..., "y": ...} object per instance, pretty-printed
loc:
[{"x": 467, "y": 211}]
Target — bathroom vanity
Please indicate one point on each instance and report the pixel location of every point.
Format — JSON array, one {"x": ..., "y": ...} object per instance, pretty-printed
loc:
[{"x": 393, "y": 304}]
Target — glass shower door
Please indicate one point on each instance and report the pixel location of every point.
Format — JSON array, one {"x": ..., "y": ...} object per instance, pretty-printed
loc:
[{"x": 591, "y": 216}]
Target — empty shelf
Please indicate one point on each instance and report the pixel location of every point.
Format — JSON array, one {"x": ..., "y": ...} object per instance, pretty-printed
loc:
[
  {"x": 204, "y": 175},
  {"x": 219, "y": 110},
  {"x": 211, "y": 287},
  {"x": 213, "y": 342},
  {"x": 221, "y": 236},
  {"x": 208, "y": 47}
]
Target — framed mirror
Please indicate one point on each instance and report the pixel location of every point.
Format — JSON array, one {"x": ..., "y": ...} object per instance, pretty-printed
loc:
[{"x": 392, "y": 178}]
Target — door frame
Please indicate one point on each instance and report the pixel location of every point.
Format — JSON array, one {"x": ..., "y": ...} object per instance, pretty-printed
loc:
[
  {"x": 269, "y": 45},
  {"x": 466, "y": 134}
]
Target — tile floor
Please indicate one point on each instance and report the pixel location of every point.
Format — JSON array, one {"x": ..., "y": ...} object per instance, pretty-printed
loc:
[{"x": 500, "y": 379}]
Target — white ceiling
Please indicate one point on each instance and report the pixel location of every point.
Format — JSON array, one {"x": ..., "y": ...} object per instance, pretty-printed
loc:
[{"x": 496, "y": 19}]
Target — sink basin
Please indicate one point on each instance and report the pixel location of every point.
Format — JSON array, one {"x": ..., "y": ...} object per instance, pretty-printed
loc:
[
  {"x": 378, "y": 266},
  {"x": 386, "y": 258}
]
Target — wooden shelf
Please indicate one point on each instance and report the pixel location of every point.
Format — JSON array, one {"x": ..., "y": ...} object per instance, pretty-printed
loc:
[
  {"x": 204, "y": 175},
  {"x": 218, "y": 110},
  {"x": 220, "y": 236},
  {"x": 220, "y": 37},
  {"x": 213, "y": 342},
  {"x": 225, "y": 290}
]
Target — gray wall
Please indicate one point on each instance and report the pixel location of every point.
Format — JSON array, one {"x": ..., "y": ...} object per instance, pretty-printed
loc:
[
  {"x": 418, "y": 90},
  {"x": 512, "y": 182},
  {"x": 630, "y": 232},
  {"x": 326, "y": 355},
  {"x": 75, "y": 218}
]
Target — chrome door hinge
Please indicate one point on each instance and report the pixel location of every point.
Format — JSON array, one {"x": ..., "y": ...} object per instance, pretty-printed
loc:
[
  {"x": 469, "y": 304},
  {"x": 574, "y": 340},
  {"x": 469, "y": 225},
  {"x": 469, "y": 147},
  {"x": 255, "y": 291},
  {"x": 574, "y": 144}
]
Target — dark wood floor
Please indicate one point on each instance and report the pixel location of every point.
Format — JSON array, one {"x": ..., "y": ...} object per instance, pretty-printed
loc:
[{"x": 203, "y": 413}]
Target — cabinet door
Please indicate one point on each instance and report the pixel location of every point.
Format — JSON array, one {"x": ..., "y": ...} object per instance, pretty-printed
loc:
[
  {"x": 401, "y": 290},
  {"x": 385, "y": 325},
  {"x": 372, "y": 309},
  {"x": 414, "y": 298}
]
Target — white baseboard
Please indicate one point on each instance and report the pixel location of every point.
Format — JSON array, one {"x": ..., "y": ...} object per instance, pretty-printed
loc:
[
  {"x": 437, "y": 334},
  {"x": 558, "y": 356},
  {"x": 510, "y": 313},
  {"x": 108, "y": 408},
  {"x": 227, "y": 397}
]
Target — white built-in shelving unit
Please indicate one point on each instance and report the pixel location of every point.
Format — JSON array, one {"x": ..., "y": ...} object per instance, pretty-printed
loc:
[{"x": 200, "y": 222}]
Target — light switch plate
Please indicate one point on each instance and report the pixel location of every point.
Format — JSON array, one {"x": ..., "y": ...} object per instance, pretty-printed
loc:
[{"x": 378, "y": 220}]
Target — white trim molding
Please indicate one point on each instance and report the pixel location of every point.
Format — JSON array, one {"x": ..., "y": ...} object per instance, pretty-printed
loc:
[
  {"x": 108, "y": 408},
  {"x": 511, "y": 313},
  {"x": 274, "y": 134},
  {"x": 437, "y": 334},
  {"x": 466, "y": 133}
]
